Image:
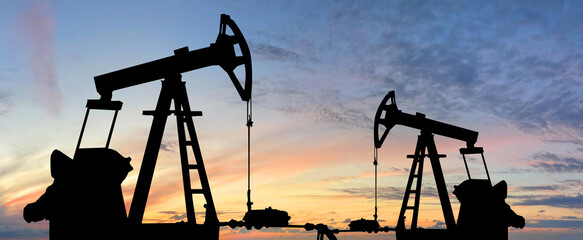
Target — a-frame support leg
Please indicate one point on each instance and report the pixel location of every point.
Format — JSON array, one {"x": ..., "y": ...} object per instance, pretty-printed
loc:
[
  {"x": 416, "y": 173},
  {"x": 182, "y": 105},
  {"x": 439, "y": 181},
  {"x": 173, "y": 89},
  {"x": 144, "y": 183},
  {"x": 425, "y": 141}
]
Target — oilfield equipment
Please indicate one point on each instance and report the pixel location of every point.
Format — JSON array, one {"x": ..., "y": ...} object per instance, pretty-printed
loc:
[
  {"x": 93, "y": 177},
  {"x": 483, "y": 211},
  {"x": 86, "y": 200}
]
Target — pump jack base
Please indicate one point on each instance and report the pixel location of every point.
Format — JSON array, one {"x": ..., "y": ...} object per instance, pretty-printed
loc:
[{"x": 266, "y": 218}]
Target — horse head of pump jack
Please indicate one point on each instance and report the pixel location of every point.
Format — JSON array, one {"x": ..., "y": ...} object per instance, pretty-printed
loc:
[
  {"x": 221, "y": 53},
  {"x": 388, "y": 115}
]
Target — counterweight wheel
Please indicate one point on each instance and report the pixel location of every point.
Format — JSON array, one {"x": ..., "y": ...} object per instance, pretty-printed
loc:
[{"x": 245, "y": 59}]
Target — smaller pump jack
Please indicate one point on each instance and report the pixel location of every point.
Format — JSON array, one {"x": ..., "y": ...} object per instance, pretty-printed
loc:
[{"x": 483, "y": 212}]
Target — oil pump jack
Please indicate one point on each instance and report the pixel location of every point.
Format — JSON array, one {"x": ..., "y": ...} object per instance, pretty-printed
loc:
[
  {"x": 483, "y": 212},
  {"x": 221, "y": 53}
]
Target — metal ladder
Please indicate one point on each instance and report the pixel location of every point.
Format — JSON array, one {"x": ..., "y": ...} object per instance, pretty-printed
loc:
[
  {"x": 184, "y": 117},
  {"x": 173, "y": 89},
  {"x": 416, "y": 174}
]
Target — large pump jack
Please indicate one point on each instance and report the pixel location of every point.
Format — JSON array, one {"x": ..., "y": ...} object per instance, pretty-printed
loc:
[
  {"x": 483, "y": 212},
  {"x": 96, "y": 226},
  {"x": 221, "y": 53}
]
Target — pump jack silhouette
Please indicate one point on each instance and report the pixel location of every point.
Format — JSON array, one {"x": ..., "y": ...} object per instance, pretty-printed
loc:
[
  {"x": 92, "y": 179},
  {"x": 221, "y": 53},
  {"x": 483, "y": 215},
  {"x": 483, "y": 212},
  {"x": 85, "y": 199}
]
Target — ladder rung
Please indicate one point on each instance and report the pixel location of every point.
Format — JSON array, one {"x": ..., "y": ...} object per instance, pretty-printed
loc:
[
  {"x": 425, "y": 155},
  {"x": 410, "y": 207},
  {"x": 415, "y": 175},
  {"x": 189, "y": 143},
  {"x": 188, "y": 114},
  {"x": 196, "y": 191},
  {"x": 192, "y": 166},
  {"x": 154, "y": 112},
  {"x": 413, "y": 191}
]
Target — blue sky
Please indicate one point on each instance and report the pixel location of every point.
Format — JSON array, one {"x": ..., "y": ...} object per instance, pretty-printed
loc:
[{"x": 512, "y": 71}]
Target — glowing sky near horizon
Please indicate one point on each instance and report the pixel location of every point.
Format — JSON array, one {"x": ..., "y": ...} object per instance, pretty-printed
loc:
[{"x": 512, "y": 71}]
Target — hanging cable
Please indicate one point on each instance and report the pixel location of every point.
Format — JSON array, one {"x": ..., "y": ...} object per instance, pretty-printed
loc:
[
  {"x": 249, "y": 125},
  {"x": 376, "y": 163}
]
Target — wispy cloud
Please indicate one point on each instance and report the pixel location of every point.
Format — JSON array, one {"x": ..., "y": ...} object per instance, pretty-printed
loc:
[
  {"x": 12, "y": 227},
  {"x": 563, "y": 223},
  {"x": 271, "y": 52},
  {"x": 169, "y": 146},
  {"x": 446, "y": 60},
  {"x": 438, "y": 224},
  {"x": 36, "y": 26},
  {"x": 563, "y": 201},
  {"x": 388, "y": 193},
  {"x": 178, "y": 217},
  {"x": 4, "y": 102},
  {"x": 566, "y": 186},
  {"x": 541, "y": 188},
  {"x": 550, "y": 162}
]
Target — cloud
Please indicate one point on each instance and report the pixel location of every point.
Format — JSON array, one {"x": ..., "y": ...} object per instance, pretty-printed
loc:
[
  {"x": 13, "y": 227},
  {"x": 446, "y": 60},
  {"x": 541, "y": 188},
  {"x": 4, "y": 102},
  {"x": 388, "y": 193},
  {"x": 23, "y": 233},
  {"x": 178, "y": 217},
  {"x": 169, "y": 146},
  {"x": 389, "y": 172},
  {"x": 339, "y": 113},
  {"x": 555, "y": 224},
  {"x": 272, "y": 52},
  {"x": 573, "y": 183},
  {"x": 550, "y": 162},
  {"x": 562, "y": 201},
  {"x": 568, "y": 185},
  {"x": 36, "y": 26},
  {"x": 438, "y": 224},
  {"x": 168, "y": 212}
]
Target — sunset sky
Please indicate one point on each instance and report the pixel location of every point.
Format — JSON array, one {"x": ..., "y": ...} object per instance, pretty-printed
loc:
[{"x": 510, "y": 70}]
